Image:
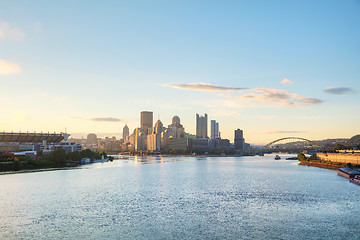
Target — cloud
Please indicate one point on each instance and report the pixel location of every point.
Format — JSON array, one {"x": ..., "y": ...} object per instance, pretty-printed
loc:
[
  {"x": 7, "y": 68},
  {"x": 339, "y": 90},
  {"x": 203, "y": 87},
  {"x": 81, "y": 135},
  {"x": 286, "y": 81},
  {"x": 281, "y": 97},
  {"x": 100, "y": 119},
  {"x": 8, "y": 31},
  {"x": 281, "y": 132},
  {"x": 277, "y": 96}
]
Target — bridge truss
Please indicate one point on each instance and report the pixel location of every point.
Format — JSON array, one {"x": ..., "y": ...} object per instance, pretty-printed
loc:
[{"x": 287, "y": 138}]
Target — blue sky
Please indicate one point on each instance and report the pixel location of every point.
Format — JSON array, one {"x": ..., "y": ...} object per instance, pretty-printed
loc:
[{"x": 75, "y": 64}]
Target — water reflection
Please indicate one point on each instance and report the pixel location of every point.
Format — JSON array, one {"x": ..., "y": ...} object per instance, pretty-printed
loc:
[
  {"x": 151, "y": 159},
  {"x": 191, "y": 198}
]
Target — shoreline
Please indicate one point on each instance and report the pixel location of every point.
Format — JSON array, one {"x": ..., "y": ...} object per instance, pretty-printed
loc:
[
  {"x": 330, "y": 166},
  {"x": 327, "y": 165},
  {"x": 36, "y": 170}
]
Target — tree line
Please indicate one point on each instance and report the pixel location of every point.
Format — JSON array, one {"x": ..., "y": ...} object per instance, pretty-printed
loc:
[{"x": 55, "y": 159}]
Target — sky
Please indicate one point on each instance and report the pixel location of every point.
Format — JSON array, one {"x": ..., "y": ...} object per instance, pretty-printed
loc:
[{"x": 271, "y": 68}]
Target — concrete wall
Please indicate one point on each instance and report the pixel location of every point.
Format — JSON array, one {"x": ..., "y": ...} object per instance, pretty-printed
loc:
[{"x": 340, "y": 157}]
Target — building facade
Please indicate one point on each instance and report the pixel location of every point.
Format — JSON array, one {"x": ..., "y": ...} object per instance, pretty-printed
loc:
[
  {"x": 239, "y": 140},
  {"x": 214, "y": 129},
  {"x": 153, "y": 142},
  {"x": 198, "y": 144},
  {"x": 125, "y": 131},
  {"x": 140, "y": 139},
  {"x": 146, "y": 121},
  {"x": 201, "y": 126},
  {"x": 175, "y": 129},
  {"x": 177, "y": 143},
  {"x": 91, "y": 138}
]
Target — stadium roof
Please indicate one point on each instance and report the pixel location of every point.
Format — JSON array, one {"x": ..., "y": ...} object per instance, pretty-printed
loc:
[{"x": 30, "y": 137}]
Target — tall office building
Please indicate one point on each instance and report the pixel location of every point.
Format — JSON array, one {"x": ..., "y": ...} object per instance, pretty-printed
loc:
[
  {"x": 125, "y": 132},
  {"x": 91, "y": 138},
  {"x": 140, "y": 139},
  {"x": 146, "y": 121},
  {"x": 176, "y": 130},
  {"x": 239, "y": 140},
  {"x": 201, "y": 126},
  {"x": 159, "y": 127},
  {"x": 214, "y": 130}
]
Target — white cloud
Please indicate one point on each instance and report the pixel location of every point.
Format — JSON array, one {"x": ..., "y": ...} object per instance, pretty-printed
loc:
[
  {"x": 286, "y": 81},
  {"x": 288, "y": 131},
  {"x": 8, "y": 31},
  {"x": 203, "y": 87},
  {"x": 234, "y": 95},
  {"x": 281, "y": 97},
  {"x": 7, "y": 68},
  {"x": 99, "y": 119}
]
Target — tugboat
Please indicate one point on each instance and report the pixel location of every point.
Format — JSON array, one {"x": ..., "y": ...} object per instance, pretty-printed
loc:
[{"x": 277, "y": 157}]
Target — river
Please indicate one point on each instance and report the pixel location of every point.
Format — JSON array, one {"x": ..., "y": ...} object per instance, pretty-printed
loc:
[{"x": 181, "y": 198}]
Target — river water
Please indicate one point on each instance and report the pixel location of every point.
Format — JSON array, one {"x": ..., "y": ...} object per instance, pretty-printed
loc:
[{"x": 181, "y": 198}]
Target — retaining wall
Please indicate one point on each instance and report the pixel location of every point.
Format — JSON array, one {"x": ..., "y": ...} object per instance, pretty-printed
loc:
[{"x": 340, "y": 157}]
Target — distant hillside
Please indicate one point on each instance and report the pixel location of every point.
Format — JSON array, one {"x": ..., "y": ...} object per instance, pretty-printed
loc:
[
  {"x": 354, "y": 141},
  {"x": 327, "y": 143}
]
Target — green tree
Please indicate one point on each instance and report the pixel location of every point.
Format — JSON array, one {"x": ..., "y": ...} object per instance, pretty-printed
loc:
[
  {"x": 58, "y": 157},
  {"x": 16, "y": 164},
  {"x": 74, "y": 156},
  {"x": 301, "y": 157},
  {"x": 339, "y": 146}
]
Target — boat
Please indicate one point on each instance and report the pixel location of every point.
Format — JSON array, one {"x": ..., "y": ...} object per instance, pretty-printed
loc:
[
  {"x": 348, "y": 172},
  {"x": 277, "y": 157},
  {"x": 355, "y": 180}
]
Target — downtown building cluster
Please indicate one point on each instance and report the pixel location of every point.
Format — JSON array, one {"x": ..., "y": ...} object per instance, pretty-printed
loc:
[{"x": 156, "y": 137}]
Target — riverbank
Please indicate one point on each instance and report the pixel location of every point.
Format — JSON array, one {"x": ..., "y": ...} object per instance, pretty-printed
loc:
[
  {"x": 37, "y": 170},
  {"x": 327, "y": 165}
]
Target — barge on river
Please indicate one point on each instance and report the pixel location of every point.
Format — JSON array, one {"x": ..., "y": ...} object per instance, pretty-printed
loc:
[
  {"x": 348, "y": 172},
  {"x": 355, "y": 180}
]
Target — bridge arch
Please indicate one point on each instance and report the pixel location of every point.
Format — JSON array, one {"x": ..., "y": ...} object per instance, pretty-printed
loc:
[{"x": 286, "y": 138}]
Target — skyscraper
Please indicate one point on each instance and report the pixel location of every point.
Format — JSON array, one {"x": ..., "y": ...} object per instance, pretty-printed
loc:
[
  {"x": 91, "y": 138},
  {"x": 201, "y": 126},
  {"x": 239, "y": 140},
  {"x": 175, "y": 129},
  {"x": 214, "y": 130},
  {"x": 125, "y": 132},
  {"x": 146, "y": 120}
]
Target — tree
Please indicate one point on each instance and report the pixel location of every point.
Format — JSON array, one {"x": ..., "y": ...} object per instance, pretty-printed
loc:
[
  {"x": 16, "y": 164},
  {"x": 339, "y": 146},
  {"x": 74, "y": 156},
  {"x": 58, "y": 157},
  {"x": 301, "y": 157}
]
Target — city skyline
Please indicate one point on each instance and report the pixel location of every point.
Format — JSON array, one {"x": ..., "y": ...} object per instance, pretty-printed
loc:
[{"x": 271, "y": 69}]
